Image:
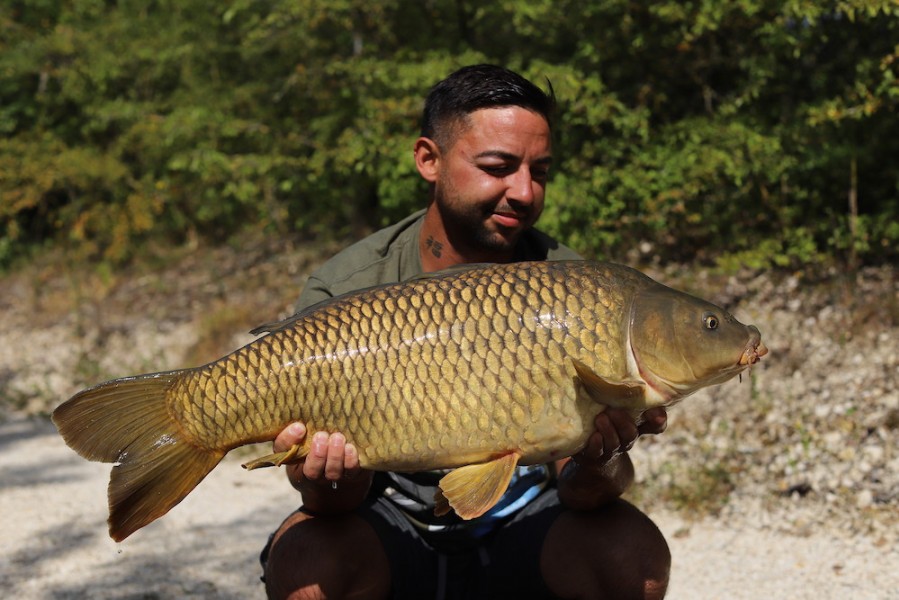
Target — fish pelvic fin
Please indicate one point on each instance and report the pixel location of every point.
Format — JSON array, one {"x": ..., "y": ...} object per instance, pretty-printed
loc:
[
  {"x": 616, "y": 395},
  {"x": 292, "y": 455},
  {"x": 472, "y": 490},
  {"x": 127, "y": 422}
]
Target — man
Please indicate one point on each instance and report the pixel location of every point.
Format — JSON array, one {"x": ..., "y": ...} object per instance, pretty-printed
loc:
[{"x": 561, "y": 530}]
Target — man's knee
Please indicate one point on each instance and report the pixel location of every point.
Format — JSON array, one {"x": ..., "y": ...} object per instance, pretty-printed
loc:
[
  {"x": 330, "y": 557},
  {"x": 613, "y": 552}
]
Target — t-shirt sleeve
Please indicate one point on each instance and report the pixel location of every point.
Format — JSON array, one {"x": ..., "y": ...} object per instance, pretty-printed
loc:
[
  {"x": 314, "y": 292},
  {"x": 387, "y": 256}
]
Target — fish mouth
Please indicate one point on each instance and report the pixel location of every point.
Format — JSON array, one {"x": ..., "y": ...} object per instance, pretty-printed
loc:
[{"x": 755, "y": 349}]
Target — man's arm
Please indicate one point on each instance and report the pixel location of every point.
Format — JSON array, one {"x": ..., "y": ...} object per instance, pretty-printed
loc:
[{"x": 602, "y": 471}]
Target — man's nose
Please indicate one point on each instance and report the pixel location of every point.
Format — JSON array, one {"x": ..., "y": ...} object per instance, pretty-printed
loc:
[{"x": 523, "y": 188}]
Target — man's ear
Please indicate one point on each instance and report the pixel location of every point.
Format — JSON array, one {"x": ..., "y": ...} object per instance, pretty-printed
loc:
[{"x": 427, "y": 158}]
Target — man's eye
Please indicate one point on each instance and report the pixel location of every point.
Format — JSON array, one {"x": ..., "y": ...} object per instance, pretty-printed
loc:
[{"x": 496, "y": 169}]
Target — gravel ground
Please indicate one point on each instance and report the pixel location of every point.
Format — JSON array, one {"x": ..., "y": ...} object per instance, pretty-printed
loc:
[
  {"x": 783, "y": 486},
  {"x": 55, "y": 542}
]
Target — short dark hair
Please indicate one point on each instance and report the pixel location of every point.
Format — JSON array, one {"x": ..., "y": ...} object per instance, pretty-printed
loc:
[{"x": 471, "y": 88}]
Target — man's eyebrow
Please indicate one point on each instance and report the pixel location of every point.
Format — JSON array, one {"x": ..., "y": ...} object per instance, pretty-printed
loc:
[{"x": 543, "y": 160}]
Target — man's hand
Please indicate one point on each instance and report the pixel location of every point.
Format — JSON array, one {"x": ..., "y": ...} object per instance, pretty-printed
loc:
[
  {"x": 330, "y": 478},
  {"x": 602, "y": 471},
  {"x": 616, "y": 432}
]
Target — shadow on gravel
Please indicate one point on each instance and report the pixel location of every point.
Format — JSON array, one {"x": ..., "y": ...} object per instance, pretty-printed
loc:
[
  {"x": 207, "y": 562},
  {"x": 66, "y": 542},
  {"x": 23, "y": 428},
  {"x": 72, "y": 559},
  {"x": 38, "y": 475},
  {"x": 20, "y": 468}
]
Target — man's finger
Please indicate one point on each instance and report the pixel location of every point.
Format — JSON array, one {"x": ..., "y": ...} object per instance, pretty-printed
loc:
[
  {"x": 351, "y": 460},
  {"x": 336, "y": 456},
  {"x": 593, "y": 450},
  {"x": 314, "y": 466},
  {"x": 605, "y": 427},
  {"x": 655, "y": 421},
  {"x": 290, "y": 436},
  {"x": 623, "y": 424}
]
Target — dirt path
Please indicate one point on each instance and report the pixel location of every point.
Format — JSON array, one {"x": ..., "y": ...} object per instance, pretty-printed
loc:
[
  {"x": 55, "y": 543},
  {"x": 55, "y": 540}
]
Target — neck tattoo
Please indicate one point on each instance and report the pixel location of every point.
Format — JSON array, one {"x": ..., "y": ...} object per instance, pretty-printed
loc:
[{"x": 434, "y": 246}]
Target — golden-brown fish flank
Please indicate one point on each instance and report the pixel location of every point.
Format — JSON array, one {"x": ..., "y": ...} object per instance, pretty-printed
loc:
[{"x": 477, "y": 369}]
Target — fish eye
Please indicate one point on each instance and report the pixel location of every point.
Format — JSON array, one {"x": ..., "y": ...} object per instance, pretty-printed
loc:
[{"x": 710, "y": 321}]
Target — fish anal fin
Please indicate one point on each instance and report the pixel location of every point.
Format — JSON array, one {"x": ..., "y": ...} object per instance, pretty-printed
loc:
[
  {"x": 603, "y": 391},
  {"x": 472, "y": 490},
  {"x": 292, "y": 455}
]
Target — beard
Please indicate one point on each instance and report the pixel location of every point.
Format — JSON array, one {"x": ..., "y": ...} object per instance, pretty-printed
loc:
[
  {"x": 470, "y": 225},
  {"x": 469, "y": 228}
]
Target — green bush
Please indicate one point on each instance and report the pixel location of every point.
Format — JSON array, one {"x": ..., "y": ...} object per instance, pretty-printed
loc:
[{"x": 732, "y": 132}]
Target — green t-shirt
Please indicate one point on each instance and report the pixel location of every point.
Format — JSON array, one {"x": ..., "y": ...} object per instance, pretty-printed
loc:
[{"x": 391, "y": 255}]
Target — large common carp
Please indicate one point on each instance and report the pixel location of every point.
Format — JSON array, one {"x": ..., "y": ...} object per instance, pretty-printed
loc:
[{"x": 476, "y": 369}]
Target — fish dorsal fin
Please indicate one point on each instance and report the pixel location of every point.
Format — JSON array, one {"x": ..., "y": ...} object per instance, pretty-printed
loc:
[
  {"x": 616, "y": 395},
  {"x": 472, "y": 490},
  {"x": 289, "y": 321},
  {"x": 454, "y": 270},
  {"x": 275, "y": 326}
]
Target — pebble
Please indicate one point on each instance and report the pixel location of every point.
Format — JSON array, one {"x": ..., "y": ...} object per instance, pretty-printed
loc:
[{"x": 864, "y": 499}]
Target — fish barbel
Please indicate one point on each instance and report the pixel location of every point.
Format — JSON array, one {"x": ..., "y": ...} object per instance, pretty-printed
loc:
[{"x": 476, "y": 369}]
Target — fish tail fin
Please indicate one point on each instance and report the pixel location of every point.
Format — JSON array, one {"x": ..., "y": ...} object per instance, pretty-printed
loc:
[{"x": 127, "y": 422}]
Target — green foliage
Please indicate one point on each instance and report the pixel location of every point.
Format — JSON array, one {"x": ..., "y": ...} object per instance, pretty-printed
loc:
[{"x": 733, "y": 132}]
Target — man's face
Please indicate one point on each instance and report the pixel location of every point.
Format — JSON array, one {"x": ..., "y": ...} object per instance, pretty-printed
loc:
[{"x": 492, "y": 179}]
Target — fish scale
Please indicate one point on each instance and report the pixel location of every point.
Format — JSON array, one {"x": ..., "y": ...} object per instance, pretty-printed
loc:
[{"x": 481, "y": 368}]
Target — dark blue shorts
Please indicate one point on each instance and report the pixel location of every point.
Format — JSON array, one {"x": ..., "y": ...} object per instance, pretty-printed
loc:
[{"x": 503, "y": 564}]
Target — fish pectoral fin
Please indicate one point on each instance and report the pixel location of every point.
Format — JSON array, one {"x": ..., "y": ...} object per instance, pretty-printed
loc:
[
  {"x": 292, "y": 455},
  {"x": 616, "y": 395},
  {"x": 472, "y": 490}
]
